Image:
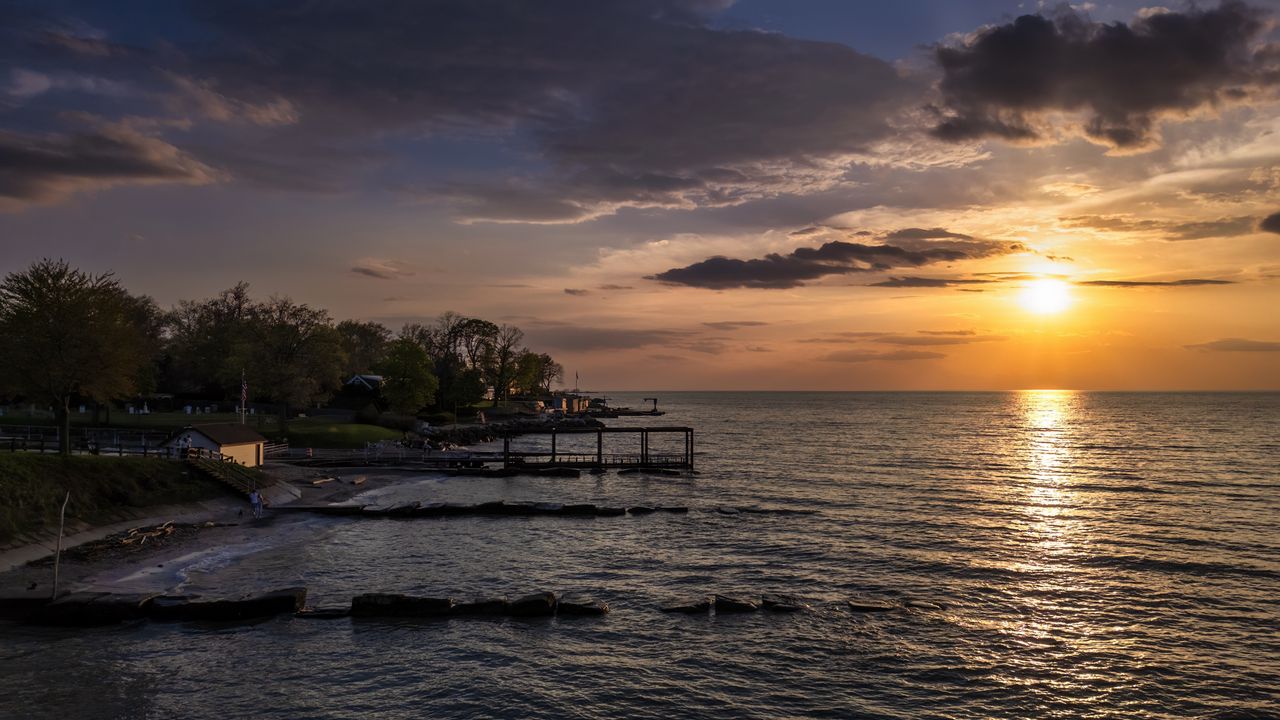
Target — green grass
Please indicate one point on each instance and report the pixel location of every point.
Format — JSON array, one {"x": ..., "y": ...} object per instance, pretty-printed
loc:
[
  {"x": 32, "y": 488},
  {"x": 324, "y": 433}
]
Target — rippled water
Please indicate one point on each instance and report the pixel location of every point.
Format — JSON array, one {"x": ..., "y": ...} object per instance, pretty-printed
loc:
[{"x": 1096, "y": 555}]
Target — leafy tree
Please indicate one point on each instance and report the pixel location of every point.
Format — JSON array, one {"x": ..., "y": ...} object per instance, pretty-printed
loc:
[
  {"x": 69, "y": 334},
  {"x": 209, "y": 343},
  {"x": 295, "y": 354},
  {"x": 408, "y": 383},
  {"x": 365, "y": 344}
]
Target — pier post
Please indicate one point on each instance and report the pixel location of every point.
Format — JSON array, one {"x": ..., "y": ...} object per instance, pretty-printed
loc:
[
  {"x": 644, "y": 446},
  {"x": 599, "y": 447},
  {"x": 506, "y": 452},
  {"x": 553, "y": 446}
]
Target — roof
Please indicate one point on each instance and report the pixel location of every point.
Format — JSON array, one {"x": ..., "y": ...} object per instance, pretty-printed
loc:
[
  {"x": 367, "y": 380},
  {"x": 229, "y": 434}
]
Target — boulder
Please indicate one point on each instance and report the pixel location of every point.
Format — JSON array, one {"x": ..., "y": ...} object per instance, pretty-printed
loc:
[
  {"x": 783, "y": 603},
  {"x": 86, "y": 609},
  {"x": 394, "y": 605},
  {"x": 493, "y": 507},
  {"x": 193, "y": 607},
  {"x": 537, "y": 605},
  {"x": 21, "y": 605},
  {"x": 581, "y": 607},
  {"x": 923, "y": 605},
  {"x": 689, "y": 608},
  {"x": 604, "y": 511},
  {"x": 482, "y": 608},
  {"x": 639, "y": 510},
  {"x": 581, "y": 509},
  {"x": 674, "y": 509},
  {"x": 726, "y": 604}
]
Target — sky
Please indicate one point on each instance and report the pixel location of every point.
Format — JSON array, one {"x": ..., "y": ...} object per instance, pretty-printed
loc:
[{"x": 683, "y": 194}]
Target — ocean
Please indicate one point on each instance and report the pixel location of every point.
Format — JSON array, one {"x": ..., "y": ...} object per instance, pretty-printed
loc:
[{"x": 1068, "y": 555}]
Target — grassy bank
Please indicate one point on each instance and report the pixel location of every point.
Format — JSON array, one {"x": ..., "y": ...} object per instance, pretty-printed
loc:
[
  {"x": 32, "y": 488},
  {"x": 321, "y": 433}
]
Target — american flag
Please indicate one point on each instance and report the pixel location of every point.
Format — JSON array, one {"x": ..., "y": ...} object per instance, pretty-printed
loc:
[{"x": 244, "y": 392}]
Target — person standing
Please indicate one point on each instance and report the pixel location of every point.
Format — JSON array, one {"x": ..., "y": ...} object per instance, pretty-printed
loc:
[{"x": 255, "y": 500}]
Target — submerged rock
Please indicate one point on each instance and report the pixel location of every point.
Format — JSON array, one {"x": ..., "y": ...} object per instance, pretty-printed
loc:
[
  {"x": 581, "y": 607},
  {"x": 726, "y": 604},
  {"x": 923, "y": 605},
  {"x": 604, "y": 511},
  {"x": 393, "y": 605},
  {"x": 537, "y": 605},
  {"x": 728, "y": 510},
  {"x": 193, "y": 607},
  {"x": 490, "y": 607},
  {"x": 783, "y": 603},
  {"x": 640, "y": 510},
  {"x": 583, "y": 509},
  {"x": 323, "y": 613},
  {"x": 859, "y": 605},
  {"x": 691, "y": 608},
  {"x": 674, "y": 509}
]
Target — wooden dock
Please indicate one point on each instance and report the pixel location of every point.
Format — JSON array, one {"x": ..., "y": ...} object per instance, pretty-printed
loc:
[{"x": 641, "y": 454}]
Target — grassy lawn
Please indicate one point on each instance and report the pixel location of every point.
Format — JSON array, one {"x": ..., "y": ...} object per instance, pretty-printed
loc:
[
  {"x": 32, "y": 488},
  {"x": 324, "y": 433}
]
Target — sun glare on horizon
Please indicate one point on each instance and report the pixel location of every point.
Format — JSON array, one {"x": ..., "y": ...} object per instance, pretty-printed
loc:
[{"x": 1045, "y": 296}]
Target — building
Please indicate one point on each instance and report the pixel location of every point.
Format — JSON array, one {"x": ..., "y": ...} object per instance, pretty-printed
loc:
[
  {"x": 237, "y": 442},
  {"x": 368, "y": 382}
]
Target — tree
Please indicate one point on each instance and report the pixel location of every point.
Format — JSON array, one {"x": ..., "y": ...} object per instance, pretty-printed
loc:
[
  {"x": 408, "y": 382},
  {"x": 502, "y": 361},
  {"x": 69, "y": 334},
  {"x": 209, "y": 343},
  {"x": 365, "y": 345},
  {"x": 295, "y": 354}
]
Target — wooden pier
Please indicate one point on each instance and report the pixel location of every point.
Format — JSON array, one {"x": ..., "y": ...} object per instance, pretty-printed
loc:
[
  {"x": 641, "y": 455},
  {"x": 642, "y": 458}
]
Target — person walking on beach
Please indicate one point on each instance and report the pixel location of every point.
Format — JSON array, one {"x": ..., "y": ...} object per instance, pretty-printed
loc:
[{"x": 255, "y": 499}]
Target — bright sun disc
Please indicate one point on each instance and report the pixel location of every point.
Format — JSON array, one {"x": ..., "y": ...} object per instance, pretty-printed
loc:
[{"x": 1045, "y": 297}]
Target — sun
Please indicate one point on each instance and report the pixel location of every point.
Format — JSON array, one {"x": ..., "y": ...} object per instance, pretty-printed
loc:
[{"x": 1045, "y": 296}]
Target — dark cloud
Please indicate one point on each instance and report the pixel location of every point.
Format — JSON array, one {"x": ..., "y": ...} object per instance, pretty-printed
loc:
[
  {"x": 734, "y": 324},
  {"x": 1185, "y": 282},
  {"x": 935, "y": 339},
  {"x": 575, "y": 338},
  {"x": 1172, "y": 230},
  {"x": 922, "y": 282},
  {"x": 1237, "y": 345},
  {"x": 630, "y": 102},
  {"x": 382, "y": 269},
  {"x": 858, "y": 356},
  {"x": 947, "y": 332},
  {"x": 837, "y": 257},
  {"x": 758, "y": 349},
  {"x": 44, "y": 168},
  {"x": 1124, "y": 78},
  {"x": 576, "y": 291},
  {"x": 616, "y": 287},
  {"x": 925, "y": 234},
  {"x": 1270, "y": 223}
]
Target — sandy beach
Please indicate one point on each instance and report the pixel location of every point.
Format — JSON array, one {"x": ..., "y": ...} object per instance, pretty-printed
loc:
[{"x": 100, "y": 558}]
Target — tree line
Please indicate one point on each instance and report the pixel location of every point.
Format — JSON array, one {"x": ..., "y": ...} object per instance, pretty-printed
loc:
[{"x": 71, "y": 336}]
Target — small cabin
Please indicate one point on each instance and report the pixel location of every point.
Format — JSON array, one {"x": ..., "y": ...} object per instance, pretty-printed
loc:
[{"x": 237, "y": 442}]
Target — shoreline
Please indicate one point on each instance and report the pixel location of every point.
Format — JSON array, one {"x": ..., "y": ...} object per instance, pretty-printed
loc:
[{"x": 207, "y": 526}]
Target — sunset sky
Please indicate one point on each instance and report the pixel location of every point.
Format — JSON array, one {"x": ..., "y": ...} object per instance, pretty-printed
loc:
[{"x": 683, "y": 194}]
